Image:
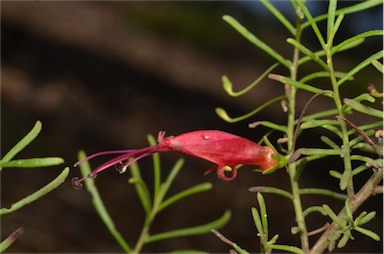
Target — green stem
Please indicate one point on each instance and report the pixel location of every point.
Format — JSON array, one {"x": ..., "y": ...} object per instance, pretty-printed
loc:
[
  {"x": 144, "y": 235},
  {"x": 345, "y": 152},
  {"x": 291, "y": 94}
]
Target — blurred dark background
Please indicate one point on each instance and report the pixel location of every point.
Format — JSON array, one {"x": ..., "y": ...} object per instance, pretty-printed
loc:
[{"x": 103, "y": 75}]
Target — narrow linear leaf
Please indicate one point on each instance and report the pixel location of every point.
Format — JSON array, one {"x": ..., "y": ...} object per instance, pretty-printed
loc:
[
  {"x": 308, "y": 53},
  {"x": 312, "y": 209},
  {"x": 263, "y": 214},
  {"x": 188, "y": 192},
  {"x": 257, "y": 221},
  {"x": 305, "y": 87},
  {"x": 361, "y": 66},
  {"x": 174, "y": 171},
  {"x": 156, "y": 167},
  {"x": 23, "y": 142},
  {"x": 254, "y": 40},
  {"x": 315, "y": 116},
  {"x": 228, "y": 87},
  {"x": 360, "y": 6},
  {"x": 279, "y": 16},
  {"x": 336, "y": 27},
  {"x": 287, "y": 248},
  {"x": 270, "y": 125},
  {"x": 363, "y": 109},
  {"x": 380, "y": 67},
  {"x": 223, "y": 114},
  {"x": 344, "y": 239},
  {"x": 99, "y": 205},
  {"x": 332, "y": 215},
  {"x": 368, "y": 233},
  {"x": 335, "y": 174},
  {"x": 318, "y": 151},
  {"x": 322, "y": 74},
  {"x": 203, "y": 229},
  {"x": 344, "y": 180},
  {"x": 32, "y": 163},
  {"x": 358, "y": 219},
  {"x": 318, "y": 123},
  {"x": 38, "y": 194},
  {"x": 140, "y": 187},
  {"x": 312, "y": 22},
  {"x": 367, "y": 218},
  {"x": 355, "y": 40},
  {"x": 323, "y": 192},
  {"x": 10, "y": 239},
  {"x": 331, "y": 20},
  {"x": 329, "y": 142},
  {"x": 273, "y": 190},
  {"x": 348, "y": 210}
]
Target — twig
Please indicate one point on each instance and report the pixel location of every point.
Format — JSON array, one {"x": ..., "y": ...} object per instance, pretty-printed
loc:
[
  {"x": 364, "y": 193},
  {"x": 362, "y": 133},
  {"x": 302, "y": 115}
]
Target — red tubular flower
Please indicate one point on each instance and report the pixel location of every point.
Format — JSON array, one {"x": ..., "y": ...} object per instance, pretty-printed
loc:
[{"x": 221, "y": 148}]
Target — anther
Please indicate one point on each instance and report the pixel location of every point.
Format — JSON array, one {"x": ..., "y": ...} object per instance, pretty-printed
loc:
[
  {"x": 120, "y": 167},
  {"x": 76, "y": 183}
]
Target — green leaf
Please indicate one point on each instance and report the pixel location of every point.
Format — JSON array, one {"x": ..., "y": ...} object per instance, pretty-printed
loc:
[
  {"x": 257, "y": 221},
  {"x": 335, "y": 174},
  {"x": 99, "y": 205},
  {"x": 360, "y": 6},
  {"x": 174, "y": 171},
  {"x": 313, "y": 24},
  {"x": 10, "y": 239},
  {"x": 329, "y": 142},
  {"x": 268, "y": 189},
  {"x": 188, "y": 192},
  {"x": 202, "y": 229},
  {"x": 332, "y": 215},
  {"x": 344, "y": 239},
  {"x": 368, "y": 233},
  {"x": 228, "y": 87},
  {"x": 263, "y": 214},
  {"x": 23, "y": 142},
  {"x": 380, "y": 67},
  {"x": 318, "y": 123},
  {"x": 156, "y": 167},
  {"x": 32, "y": 163},
  {"x": 312, "y": 209},
  {"x": 254, "y": 40},
  {"x": 299, "y": 85},
  {"x": 355, "y": 40},
  {"x": 141, "y": 187},
  {"x": 322, "y": 74},
  {"x": 348, "y": 210},
  {"x": 318, "y": 151},
  {"x": 308, "y": 53},
  {"x": 287, "y": 248},
  {"x": 344, "y": 180},
  {"x": 363, "y": 109},
  {"x": 223, "y": 114},
  {"x": 323, "y": 192},
  {"x": 279, "y": 16},
  {"x": 361, "y": 66},
  {"x": 331, "y": 20},
  {"x": 38, "y": 194},
  {"x": 367, "y": 218},
  {"x": 281, "y": 128}
]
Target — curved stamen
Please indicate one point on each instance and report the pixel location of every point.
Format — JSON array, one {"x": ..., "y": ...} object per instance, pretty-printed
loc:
[{"x": 140, "y": 153}]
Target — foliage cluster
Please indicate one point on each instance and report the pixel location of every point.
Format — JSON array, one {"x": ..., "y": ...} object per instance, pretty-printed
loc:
[{"x": 353, "y": 144}]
